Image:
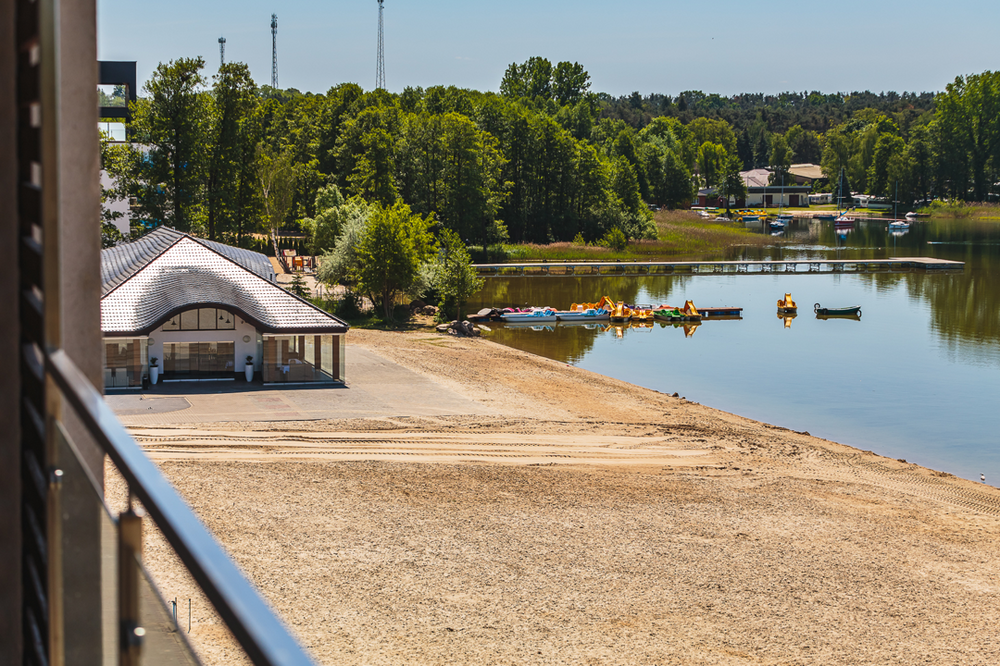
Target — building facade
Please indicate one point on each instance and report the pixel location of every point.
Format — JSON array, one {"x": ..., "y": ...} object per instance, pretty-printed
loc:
[{"x": 204, "y": 310}]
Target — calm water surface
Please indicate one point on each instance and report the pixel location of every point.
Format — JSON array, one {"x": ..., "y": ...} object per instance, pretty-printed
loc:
[{"x": 917, "y": 378}]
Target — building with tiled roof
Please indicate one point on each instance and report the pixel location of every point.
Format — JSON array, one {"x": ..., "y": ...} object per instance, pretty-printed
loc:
[{"x": 204, "y": 308}]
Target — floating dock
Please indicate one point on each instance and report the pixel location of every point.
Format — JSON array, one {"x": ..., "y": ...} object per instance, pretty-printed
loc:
[{"x": 801, "y": 266}]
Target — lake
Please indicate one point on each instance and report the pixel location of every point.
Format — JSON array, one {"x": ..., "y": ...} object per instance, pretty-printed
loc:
[{"x": 918, "y": 377}]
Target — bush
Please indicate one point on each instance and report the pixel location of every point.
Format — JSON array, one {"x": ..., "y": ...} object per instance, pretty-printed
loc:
[
  {"x": 578, "y": 239},
  {"x": 615, "y": 239}
]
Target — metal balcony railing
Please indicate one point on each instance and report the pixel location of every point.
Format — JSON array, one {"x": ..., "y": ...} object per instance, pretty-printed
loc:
[{"x": 143, "y": 631}]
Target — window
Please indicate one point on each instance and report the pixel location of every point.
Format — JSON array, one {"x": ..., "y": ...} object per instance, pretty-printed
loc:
[
  {"x": 202, "y": 319},
  {"x": 189, "y": 320}
]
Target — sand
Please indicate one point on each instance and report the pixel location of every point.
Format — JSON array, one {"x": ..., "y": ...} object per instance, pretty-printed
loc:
[{"x": 577, "y": 519}]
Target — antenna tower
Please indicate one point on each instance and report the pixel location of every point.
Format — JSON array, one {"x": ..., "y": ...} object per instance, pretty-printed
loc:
[
  {"x": 274, "y": 51},
  {"x": 380, "y": 64},
  {"x": 222, "y": 50}
]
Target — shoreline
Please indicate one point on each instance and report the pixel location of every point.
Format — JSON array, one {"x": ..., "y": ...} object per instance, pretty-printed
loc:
[{"x": 576, "y": 518}]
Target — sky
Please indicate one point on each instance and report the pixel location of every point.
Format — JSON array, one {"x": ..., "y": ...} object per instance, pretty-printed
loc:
[{"x": 725, "y": 47}]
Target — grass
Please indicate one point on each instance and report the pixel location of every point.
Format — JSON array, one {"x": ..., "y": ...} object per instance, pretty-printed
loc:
[
  {"x": 963, "y": 210},
  {"x": 681, "y": 234}
]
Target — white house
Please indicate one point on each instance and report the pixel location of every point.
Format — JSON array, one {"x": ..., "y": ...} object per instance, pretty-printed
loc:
[{"x": 202, "y": 308}]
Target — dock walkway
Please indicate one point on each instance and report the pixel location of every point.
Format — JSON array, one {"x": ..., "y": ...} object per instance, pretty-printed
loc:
[{"x": 802, "y": 266}]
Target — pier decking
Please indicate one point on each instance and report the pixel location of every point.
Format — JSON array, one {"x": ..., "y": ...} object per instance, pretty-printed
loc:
[{"x": 801, "y": 266}]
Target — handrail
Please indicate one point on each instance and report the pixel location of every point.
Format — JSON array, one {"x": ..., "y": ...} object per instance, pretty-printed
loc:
[{"x": 260, "y": 633}]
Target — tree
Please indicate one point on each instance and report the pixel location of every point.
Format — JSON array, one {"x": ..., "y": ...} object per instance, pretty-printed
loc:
[
  {"x": 235, "y": 133},
  {"x": 298, "y": 286},
  {"x": 323, "y": 229},
  {"x": 731, "y": 183},
  {"x": 570, "y": 83},
  {"x": 276, "y": 174},
  {"x": 453, "y": 273},
  {"x": 172, "y": 121},
  {"x": 968, "y": 117},
  {"x": 711, "y": 160},
  {"x": 372, "y": 177},
  {"x": 394, "y": 244},
  {"x": 675, "y": 191},
  {"x": 780, "y": 161},
  {"x": 531, "y": 79},
  {"x": 887, "y": 147}
]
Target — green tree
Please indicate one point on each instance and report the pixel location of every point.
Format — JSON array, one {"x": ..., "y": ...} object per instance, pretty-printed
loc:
[
  {"x": 711, "y": 160},
  {"x": 731, "y": 183},
  {"x": 372, "y": 177},
  {"x": 887, "y": 147},
  {"x": 968, "y": 117},
  {"x": 390, "y": 252},
  {"x": 453, "y": 274},
  {"x": 235, "y": 132},
  {"x": 323, "y": 229},
  {"x": 171, "y": 120},
  {"x": 298, "y": 286},
  {"x": 276, "y": 174},
  {"x": 531, "y": 79},
  {"x": 675, "y": 191},
  {"x": 570, "y": 83},
  {"x": 780, "y": 160}
]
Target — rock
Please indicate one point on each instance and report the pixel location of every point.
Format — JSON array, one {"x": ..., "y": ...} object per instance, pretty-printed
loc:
[{"x": 443, "y": 328}]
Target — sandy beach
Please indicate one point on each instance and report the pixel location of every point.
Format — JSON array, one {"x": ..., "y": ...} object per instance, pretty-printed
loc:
[{"x": 556, "y": 516}]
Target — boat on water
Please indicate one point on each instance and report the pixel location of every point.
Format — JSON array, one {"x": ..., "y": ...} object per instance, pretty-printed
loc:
[
  {"x": 898, "y": 225},
  {"x": 844, "y": 221},
  {"x": 777, "y": 224},
  {"x": 535, "y": 316},
  {"x": 588, "y": 314},
  {"x": 688, "y": 313},
  {"x": 825, "y": 216},
  {"x": 787, "y": 306},
  {"x": 911, "y": 215},
  {"x": 851, "y": 311}
]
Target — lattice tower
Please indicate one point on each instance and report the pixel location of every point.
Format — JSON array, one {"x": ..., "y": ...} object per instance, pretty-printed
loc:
[
  {"x": 222, "y": 50},
  {"x": 380, "y": 61},
  {"x": 274, "y": 51}
]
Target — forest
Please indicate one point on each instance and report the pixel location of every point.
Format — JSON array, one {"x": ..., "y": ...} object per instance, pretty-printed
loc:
[{"x": 544, "y": 159}]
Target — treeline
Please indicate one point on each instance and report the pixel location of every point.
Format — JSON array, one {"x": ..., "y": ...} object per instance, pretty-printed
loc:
[{"x": 545, "y": 159}]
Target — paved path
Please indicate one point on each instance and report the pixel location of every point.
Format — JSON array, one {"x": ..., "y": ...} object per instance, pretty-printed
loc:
[{"x": 375, "y": 387}]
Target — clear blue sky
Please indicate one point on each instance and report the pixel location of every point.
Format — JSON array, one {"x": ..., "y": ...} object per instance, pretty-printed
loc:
[{"x": 725, "y": 47}]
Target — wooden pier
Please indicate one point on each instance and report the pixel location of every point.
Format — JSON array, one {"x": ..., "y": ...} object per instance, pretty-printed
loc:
[{"x": 800, "y": 266}]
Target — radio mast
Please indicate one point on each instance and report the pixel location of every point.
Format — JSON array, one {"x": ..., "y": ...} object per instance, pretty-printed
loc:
[
  {"x": 380, "y": 63},
  {"x": 222, "y": 50},
  {"x": 274, "y": 51}
]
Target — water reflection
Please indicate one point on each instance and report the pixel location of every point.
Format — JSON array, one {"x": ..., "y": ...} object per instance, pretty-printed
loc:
[{"x": 929, "y": 344}]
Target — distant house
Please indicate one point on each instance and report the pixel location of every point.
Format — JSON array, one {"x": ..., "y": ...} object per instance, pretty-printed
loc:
[
  {"x": 203, "y": 308},
  {"x": 761, "y": 194},
  {"x": 806, "y": 174}
]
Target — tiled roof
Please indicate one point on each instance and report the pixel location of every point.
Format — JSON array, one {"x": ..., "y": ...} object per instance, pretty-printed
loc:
[
  {"x": 755, "y": 177},
  {"x": 187, "y": 274},
  {"x": 119, "y": 263}
]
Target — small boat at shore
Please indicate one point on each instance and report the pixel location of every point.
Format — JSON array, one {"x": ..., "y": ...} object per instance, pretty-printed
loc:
[
  {"x": 898, "y": 225},
  {"x": 851, "y": 311},
  {"x": 688, "y": 313},
  {"x": 535, "y": 316},
  {"x": 843, "y": 221},
  {"x": 588, "y": 314},
  {"x": 825, "y": 216}
]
